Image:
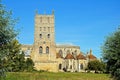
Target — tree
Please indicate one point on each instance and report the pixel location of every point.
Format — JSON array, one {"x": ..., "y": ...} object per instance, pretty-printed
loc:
[
  {"x": 13, "y": 55},
  {"x": 7, "y": 34},
  {"x": 111, "y": 54},
  {"x": 15, "y": 59},
  {"x": 96, "y": 65},
  {"x": 29, "y": 64},
  {"x": 19, "y": 63}
]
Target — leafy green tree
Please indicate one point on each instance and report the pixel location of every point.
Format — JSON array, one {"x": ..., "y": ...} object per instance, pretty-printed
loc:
[
  {"x": 29, "y": 64},
  {"x": 15, "y": 60},
  {"x": 19, "y": 63},
  {"x": 7, "y": 34},
  {"x": 96, "y": 65},
  {"x": 10, "y": 57},
  {"x": 111, "y": 54},
  {"x": 13, "y": 55}
]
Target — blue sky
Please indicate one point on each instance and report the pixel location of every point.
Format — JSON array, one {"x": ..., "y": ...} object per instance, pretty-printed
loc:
[{"x": 85, "y": 23}]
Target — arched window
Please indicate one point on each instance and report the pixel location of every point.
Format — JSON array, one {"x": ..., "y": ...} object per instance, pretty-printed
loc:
[
  {"x": 40, "y": 49},
  {"x": 40, "y": 19},
  {"x": 81, "y": 66},
  {"x": 75, "y": 51},
  {"x": 48, "y": 28},
  {"x": 48, "y": 35},
  {"x": 40, "y": 28},
  {"x": 60, "y": 52},
  {"x": 48, "y": 20},
  {"x": 44, "y": 28},
  {"x": 40, "y": 35},
  {"x": 68, "y": 51},
  {"x": 60, "y": 66},
  {"x": 70, "y": 66},
  {"x": 47, "y": 49}
]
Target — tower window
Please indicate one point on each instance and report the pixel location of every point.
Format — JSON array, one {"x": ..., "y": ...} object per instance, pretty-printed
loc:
[
  {"x": 40, "y": 19},
  {"x": 47, "y": 49},
  {"x": 48, "y": 35},
  {"x": 40, "y": 35},
  {"x": 40, "y": 29},
  {"x": 48, "y": 20},
  {"x": 44, "y": 28},
  {"x": 48, "y": 28},
  {"x": 40, "y": 49}
]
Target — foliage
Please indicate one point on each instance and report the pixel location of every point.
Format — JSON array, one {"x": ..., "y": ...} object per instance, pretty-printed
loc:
[
  {"x": 18, "y": 63},
  {"x": 12, "y": 57},
  {"x": 111, "y": 54},
  {"x": 7, "y": 34},
  {"x": 29, "y": 64},
  {"x": 96, "y": 65},
  {"x": 15, "y": 60}
]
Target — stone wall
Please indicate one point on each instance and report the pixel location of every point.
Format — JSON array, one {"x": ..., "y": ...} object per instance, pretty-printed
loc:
[{"x": 47, "y": 66}]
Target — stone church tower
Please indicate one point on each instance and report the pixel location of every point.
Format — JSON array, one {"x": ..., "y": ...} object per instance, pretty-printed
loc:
[
  {"x": 49, "y": 56},
  {"x": 44, "y": 48}
]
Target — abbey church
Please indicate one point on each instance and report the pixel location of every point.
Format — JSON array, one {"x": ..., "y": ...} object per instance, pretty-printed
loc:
[{"x": 48, "y": 55}]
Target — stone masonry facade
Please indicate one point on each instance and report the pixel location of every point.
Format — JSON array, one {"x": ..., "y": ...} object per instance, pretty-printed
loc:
[{"x": 49, "y": 56}]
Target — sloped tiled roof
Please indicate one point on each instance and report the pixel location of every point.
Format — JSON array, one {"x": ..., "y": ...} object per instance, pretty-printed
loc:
[
  {"x": 58, "y": 55},
  {"x": 81, "y": 56},
  {"x": 69, "y": 56},
  {"x": 91, "y": 56}
]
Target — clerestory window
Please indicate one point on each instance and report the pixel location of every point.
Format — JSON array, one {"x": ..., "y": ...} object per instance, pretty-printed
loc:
[
  {"x": 68, "y": 51},
  {"x": 61, "y": 52}
]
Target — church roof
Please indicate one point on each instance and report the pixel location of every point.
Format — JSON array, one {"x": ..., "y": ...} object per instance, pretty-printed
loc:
[
  {"x": 66, "y": 46},
  {"x": 69, "y": 56},
  {"x": 26, "y": 45},
  {"x": 81, "y": 56},
  {"x": 91, "y": 56}
]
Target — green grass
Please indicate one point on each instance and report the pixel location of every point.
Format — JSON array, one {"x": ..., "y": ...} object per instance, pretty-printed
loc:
[{"x": 55, "y": 76}]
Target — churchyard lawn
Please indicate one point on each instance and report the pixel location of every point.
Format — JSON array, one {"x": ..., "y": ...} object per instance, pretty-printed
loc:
[{"x": 55, "y": 76}]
